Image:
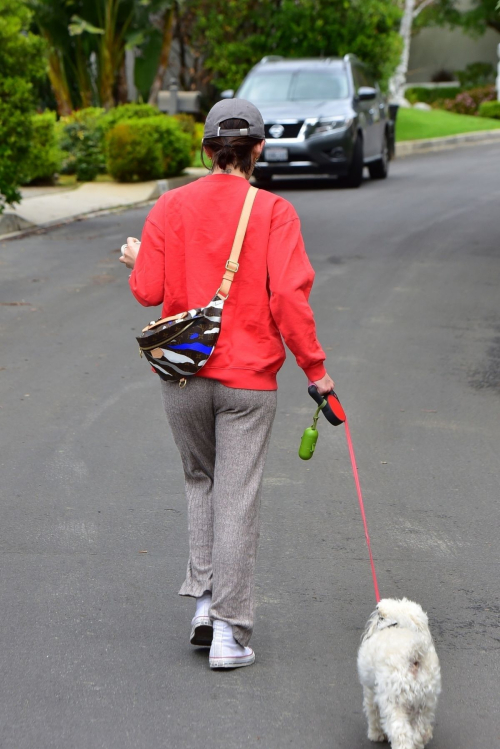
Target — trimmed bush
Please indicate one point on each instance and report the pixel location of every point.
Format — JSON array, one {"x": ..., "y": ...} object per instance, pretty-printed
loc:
[
  {"x": 82, "y": 140},
  {"x": 430, "y": 95},
  {"x": 188, "y": 125},
  {"x": 147, "y": 148},
  {"x": 490, "y": 109},
  {"x": 45, "y": 156},
  {"x": 126, "y": 112},
  {"x": 468, "y": 102}
]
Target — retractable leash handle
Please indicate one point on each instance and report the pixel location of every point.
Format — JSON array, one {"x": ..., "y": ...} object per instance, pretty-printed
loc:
[{"x": 332, "y": 409}]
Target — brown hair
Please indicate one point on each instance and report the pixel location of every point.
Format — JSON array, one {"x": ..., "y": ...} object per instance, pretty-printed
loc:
[{"x": 231, "y": 150}]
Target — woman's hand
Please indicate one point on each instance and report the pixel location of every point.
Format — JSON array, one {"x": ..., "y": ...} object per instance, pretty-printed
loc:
[
  {"x": 130, "y": 252},
  {"x": 325, "y": 385}
]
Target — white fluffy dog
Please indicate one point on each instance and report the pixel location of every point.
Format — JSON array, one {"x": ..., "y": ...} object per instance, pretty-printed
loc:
[{"x": 399, "y": 670}]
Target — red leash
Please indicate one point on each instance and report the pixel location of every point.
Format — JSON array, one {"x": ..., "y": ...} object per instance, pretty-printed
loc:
[
  {"x": 332, "y": 410},
  {"x": 361, "y": 506}
]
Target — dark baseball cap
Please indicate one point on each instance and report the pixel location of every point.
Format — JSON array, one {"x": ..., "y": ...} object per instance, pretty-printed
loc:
[{"x": 229, "y": 109}]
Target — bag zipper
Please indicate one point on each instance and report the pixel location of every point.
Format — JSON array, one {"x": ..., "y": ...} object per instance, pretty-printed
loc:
[{"x": 166, "y": 340}]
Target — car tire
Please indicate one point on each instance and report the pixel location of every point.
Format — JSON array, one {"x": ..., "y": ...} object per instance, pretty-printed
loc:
[
  {"x": 380, "y": 169},
  {"x": 354, "y": 176}
]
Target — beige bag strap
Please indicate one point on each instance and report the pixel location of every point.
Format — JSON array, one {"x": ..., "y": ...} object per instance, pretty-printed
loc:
[{"x": 232, "y": 264}]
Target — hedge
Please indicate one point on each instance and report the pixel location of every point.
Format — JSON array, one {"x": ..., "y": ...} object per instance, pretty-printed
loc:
[
  {"x": 125, "y": 112},
  {"x": 147, "y": 148},
  {"x": 431, "y": 95},
  {"x": 82, "y": 136},
  {"x": 44, "y": 155},
  {"x": 490, "y": 109}
]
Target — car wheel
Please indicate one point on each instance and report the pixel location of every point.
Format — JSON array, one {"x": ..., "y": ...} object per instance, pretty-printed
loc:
[
  {"x": 354, "y": 176},
  {"x": 380, "y": 169}
]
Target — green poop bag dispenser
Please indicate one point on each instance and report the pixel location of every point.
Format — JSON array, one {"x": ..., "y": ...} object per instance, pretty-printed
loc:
[{"x": 310, "y": 436}]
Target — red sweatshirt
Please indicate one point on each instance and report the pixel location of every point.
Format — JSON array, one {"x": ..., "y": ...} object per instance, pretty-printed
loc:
[{"x": 186, "y": 241}]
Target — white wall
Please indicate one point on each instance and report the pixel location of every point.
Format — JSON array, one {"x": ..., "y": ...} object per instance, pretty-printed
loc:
[{"x": 433, "y": 49}]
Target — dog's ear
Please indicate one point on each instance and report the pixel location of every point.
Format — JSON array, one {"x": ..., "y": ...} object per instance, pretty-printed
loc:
[
  {"x": 371, "y": 626},
  {"x": 416, "y": 615}
]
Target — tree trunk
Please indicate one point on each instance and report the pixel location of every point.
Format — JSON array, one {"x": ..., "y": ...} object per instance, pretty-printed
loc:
[
  {"x": 106, "y": 49},
  {"x": 121, "y": 93},
  {"x": 164, "y": 56},
  {"x": 57, "y": 78},
  {"x": 82, "y": 75},
  {"x": 398, "y": 80}
]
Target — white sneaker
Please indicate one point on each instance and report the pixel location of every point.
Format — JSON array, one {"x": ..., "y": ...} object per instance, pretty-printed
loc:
[
  {"x": 201, "y": 625},
  {"x": 225, "y": 651}
]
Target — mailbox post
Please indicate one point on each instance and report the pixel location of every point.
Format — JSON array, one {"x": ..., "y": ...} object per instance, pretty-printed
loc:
[
  {"x": 174, "y": 101},
  {"x": 173, "y": 104}
]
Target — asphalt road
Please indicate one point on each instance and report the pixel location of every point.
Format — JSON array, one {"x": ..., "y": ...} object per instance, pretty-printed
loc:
[{"x": 94, "y": 649}]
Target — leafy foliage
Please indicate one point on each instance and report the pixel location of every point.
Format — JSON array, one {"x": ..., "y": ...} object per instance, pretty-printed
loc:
[
  {"x": 468, "y": 102},
  {"x": 81, "y": 139},
  {"x": 188, "y": 125},
  {"x": 474, "y": 17},
  {"x": 476, "y": 74},
  {"x": 87, "y": 41},
  {"x": 147, "y": 148},
  {"x": 45, "y": 156},
  {"x": 490, "y": 109},
  {"x": 22, "y": 63},
  {"x": 431, "y": 95},
  {"x": 234, "y": 34},
  {"x": 82, "y": 136},
  {"x": 126, "y": 112}
]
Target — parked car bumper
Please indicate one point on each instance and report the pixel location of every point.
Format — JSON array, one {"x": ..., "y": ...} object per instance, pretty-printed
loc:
[{"x": 322, "y": 154}]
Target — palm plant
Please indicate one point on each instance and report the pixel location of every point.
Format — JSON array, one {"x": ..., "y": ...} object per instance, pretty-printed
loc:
[{"x": 87, "y": 40}]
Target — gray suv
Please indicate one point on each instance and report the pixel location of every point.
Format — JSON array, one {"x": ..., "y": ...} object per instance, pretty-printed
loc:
[{"x": 322, "y": 116}]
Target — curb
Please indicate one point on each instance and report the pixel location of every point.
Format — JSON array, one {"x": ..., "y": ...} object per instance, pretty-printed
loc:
[
  {"x": 410, "y": 147},
  {"x": 13, "y": 226}
]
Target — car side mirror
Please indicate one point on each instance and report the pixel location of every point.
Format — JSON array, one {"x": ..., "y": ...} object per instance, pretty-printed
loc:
[
  {"x": 366, "y": 93},
  {"x": 227, "y": 94}
]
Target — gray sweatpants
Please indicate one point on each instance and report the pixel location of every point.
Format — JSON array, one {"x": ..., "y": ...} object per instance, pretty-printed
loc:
[{"x": 222, "y": 435}]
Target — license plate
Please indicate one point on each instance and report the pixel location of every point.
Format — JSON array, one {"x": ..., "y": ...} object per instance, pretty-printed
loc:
[{"x": 276, "y": 154}]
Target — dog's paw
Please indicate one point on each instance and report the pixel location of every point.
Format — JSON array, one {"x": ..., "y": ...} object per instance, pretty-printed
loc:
[{"x": 377, "y": 736}]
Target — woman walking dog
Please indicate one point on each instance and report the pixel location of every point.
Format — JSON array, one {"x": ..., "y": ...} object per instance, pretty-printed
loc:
[{"x": 221, "y": 419}]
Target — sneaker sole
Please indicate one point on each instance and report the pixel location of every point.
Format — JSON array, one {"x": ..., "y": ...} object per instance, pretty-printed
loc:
[
  {"x": 244, "y": 660},
  {"x": 202, "y": 636}
]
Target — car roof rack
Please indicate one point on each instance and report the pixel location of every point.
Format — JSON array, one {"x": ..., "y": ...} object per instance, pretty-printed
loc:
[{"x": 272, "y": 58}]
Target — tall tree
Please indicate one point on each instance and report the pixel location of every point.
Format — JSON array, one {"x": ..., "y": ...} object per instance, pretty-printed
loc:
[
  {"x": 412, "y": 9},
  {"x": 234, "y": 34}
]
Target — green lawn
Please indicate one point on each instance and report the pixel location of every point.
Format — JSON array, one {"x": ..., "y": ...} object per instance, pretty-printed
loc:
[{"x": 415, "y": 124}]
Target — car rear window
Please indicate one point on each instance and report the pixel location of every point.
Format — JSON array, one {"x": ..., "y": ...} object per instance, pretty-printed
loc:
[{"x": 302, "y": 85}]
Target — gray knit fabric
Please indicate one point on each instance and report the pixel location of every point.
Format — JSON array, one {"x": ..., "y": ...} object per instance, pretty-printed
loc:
[{"x": 222, "y": 435}]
